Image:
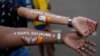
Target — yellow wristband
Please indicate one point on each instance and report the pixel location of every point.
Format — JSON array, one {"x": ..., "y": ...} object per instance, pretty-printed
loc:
[
  {"x": 39, "y": 40},
  {"x": 48, "y": 19}
]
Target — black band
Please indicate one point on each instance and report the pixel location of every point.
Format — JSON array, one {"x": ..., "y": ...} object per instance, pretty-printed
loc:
[{"x": 70, "y": 23}]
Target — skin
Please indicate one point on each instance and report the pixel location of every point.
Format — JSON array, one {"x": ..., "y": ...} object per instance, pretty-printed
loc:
[
  {"x": 8, "y": 40},
  {"x": 70, "y": 39},
  {"x": 79, "y": 23},
  {"x": 83, "y": 25},
  {"x": 76, "y": 42}
]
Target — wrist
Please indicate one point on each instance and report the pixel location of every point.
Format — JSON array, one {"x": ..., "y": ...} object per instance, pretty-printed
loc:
[{"x": 59, "y": 38}]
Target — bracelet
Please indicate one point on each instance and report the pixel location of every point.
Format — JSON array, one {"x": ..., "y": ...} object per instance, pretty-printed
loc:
[
  {"x": 69, "y": 23},
  {"x": 59, "y": 38}
]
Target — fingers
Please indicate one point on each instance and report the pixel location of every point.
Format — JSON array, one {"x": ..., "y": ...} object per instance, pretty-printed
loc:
[
  {"x": 90, "y": 42},
  {"x": 88, "y": 48},
  {"x": 88, "y": 52},
  {"x": 88, "y": 25},
  {"x": 91, "y": 48},
  {"x": 81, "y": 52},
  {"x": 88, "y": 30},
  {"x": 90, "y": 45},
  {"x": 92, "y": 25},
  {"x": 84, "y": 51}
]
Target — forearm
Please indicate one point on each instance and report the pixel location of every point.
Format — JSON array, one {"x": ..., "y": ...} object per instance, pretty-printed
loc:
[
  {"x": 33, "y": 13},
  {"x": 14, "y": 37}
]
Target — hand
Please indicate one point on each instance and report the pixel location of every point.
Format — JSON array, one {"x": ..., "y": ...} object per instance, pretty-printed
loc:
[
  {"x": 84, "y": 26},
  {"x": 83, "y": 46}
]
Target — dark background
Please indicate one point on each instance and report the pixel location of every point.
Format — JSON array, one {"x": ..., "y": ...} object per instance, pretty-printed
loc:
[{"x": 86, "y": 8}]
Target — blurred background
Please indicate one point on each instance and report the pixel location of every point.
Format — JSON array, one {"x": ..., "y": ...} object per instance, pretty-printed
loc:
[{"x": 72, "y": 8}]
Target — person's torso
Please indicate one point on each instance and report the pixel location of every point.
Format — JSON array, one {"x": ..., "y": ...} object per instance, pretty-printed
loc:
[{"x": 10, "y": 18}]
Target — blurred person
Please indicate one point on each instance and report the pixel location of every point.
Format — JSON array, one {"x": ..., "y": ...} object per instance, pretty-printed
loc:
[
  {"x": 15, "y": 15},
  {"x": 43, "y": 5}
]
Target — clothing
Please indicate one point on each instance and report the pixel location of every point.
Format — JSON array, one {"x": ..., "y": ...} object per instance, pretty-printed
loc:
[{"x": 10, "y": 18}]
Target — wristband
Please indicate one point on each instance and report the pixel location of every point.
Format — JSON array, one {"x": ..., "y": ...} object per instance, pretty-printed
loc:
[
  {"x": 59, "y": 38},
  {"x": 69, "y": 23},
  {"x": 45, "y": 19},
  {"x": 39, "y": 40},
  {"x": 42, "y": 18},
  {"x": 48, "y": 19}
]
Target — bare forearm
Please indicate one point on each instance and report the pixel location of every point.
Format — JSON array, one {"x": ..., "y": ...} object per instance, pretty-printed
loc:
[
  {"x": 13, "y": 37},
  {"x": 33, "y": 13}
]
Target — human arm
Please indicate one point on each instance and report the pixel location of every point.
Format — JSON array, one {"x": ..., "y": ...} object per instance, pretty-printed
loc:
[
  {"x": 12, "y": 37},
  {"x": 83, "y": 25}
]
